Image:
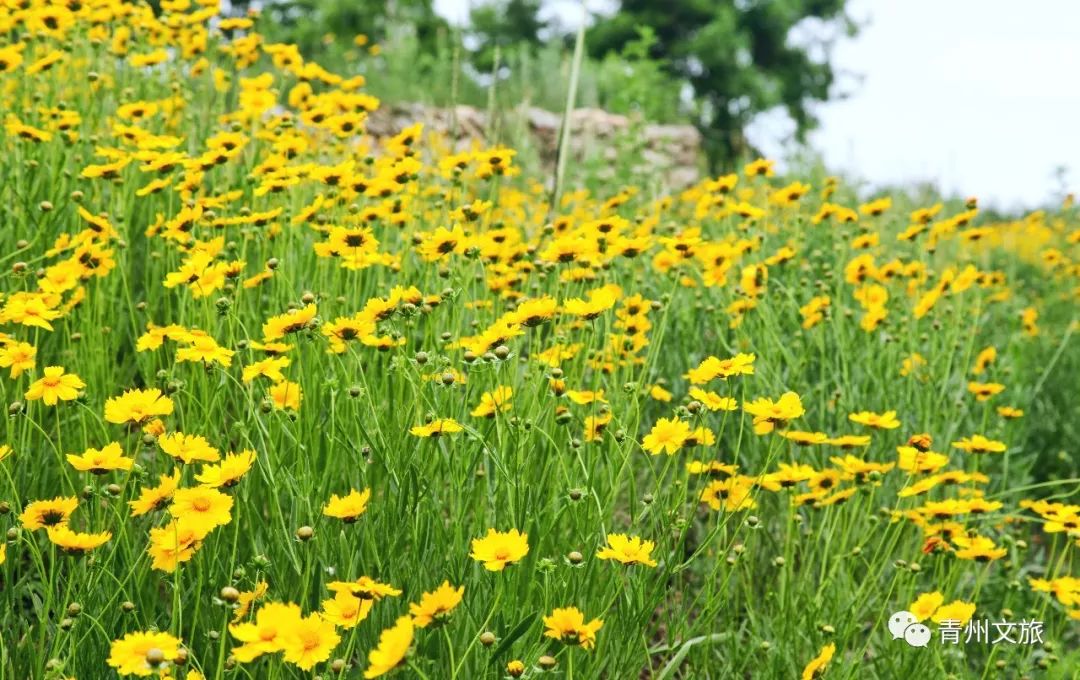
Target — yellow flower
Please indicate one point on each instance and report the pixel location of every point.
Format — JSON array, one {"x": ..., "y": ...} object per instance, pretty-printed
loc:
[
  {"x": 568, "y": 626},
  {"x": 712, "y": 368},
  {"x": 48, "y": 513},
  {"x": 712, "y": 400},
  {"x": 228, "y": 472},
  {"x": 394, "y": 643},
  {"x": 155, "y": 498},
  {"x": 769, "y": 414},
  {"x": 267, "y": 368},
  {"x": 188, "y": 447},
  {"x": 202, "y": 508},
  {"x": 55, "y": 386},
  {"x": 309, "y": 641},
  {"x": 667, "y": 435},
  {"x": 286, "y": 395},
  {"x": 349, "y": 507},
  {"x": 75, "y": 542},
  {"x": 628, "y": 550},
  {"x": 498, "y": 549},
  {"x": 436, "y": 428},
  {"x": 98, "y": 462},
  {"x": 19, "y": 357},
  {"x": 346, "y": 610},
  {"x": 279, "y": 326},
  {"x": 137, "y": 406},
  {"x": 957, "y": 611},
  {"x": 498, "y": 400},
  {"x": 365, "y": 587},
  {"x": 731, "y": 494},
  {"x": 435, "y": 607},
  {"x": 816, "y": 667},
  {"x": 660, "y": 394},
  {"x": 925, "y": 605},
  {"x": 143, "y": 654},
  {"x": 267, "y": 634},
  {"x": 884, "y": 421},
  {"x": 977, "y": 443}
]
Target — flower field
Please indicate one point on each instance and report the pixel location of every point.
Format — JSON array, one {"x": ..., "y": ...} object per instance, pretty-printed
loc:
[{"x": 284, "y": 400}]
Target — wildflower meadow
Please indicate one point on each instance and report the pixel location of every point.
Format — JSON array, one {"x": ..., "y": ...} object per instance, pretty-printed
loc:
[{"x": 283, "y": 399}]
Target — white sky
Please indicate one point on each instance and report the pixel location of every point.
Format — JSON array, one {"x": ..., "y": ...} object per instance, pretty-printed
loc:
[{"x": 982, "y": 97}]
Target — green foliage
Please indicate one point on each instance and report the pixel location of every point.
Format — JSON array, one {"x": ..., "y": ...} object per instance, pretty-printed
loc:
[{"x": 738, "y": 57}]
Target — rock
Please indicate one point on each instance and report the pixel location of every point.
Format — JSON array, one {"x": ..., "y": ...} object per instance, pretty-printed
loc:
[{"x": 672, "y": 151}]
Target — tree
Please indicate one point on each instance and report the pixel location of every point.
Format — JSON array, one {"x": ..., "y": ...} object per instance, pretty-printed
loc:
[
  {"x": 506, "y": 24},
  {"x": 738, "y": 57}
]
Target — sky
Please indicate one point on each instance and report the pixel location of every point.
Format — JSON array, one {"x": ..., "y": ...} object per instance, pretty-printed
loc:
[{"x": 980, "y": 97}]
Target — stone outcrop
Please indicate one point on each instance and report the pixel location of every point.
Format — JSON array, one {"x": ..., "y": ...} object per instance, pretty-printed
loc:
[{"x": 672, "y": 151}]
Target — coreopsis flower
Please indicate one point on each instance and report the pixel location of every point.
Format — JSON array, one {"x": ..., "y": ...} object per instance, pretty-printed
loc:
[
  {"x": 155, "y": 498},
  {"x": 30, "y": 309},
  {"x": 849, "y": 441},
  {"x": 977, "y": 443},
  {"x": 515, "y": 668},
  {"x": 668, "y": 436},
  {"x": 628, "y": 550},
  {"x": 1010, "y": 412},
  {"x": 202, "y": 508},
  {"x": 365, "y": 587},
  {"x": 76, "y": 542},
  {"x": 803, "y": 438},
  {"x": 914, "y": 461},
  {"x": 498, "y": 549},
  {"x": 567, "y": 625},
  {"x": 100, "y": 461},
  {"x": 730, "y": 495},
  {"x": 267, "y": 368},
  {"x": 658, "y": 393},
  {"x": 983, "y": 391},
  {"x": 267, "y": 634},
  {"x": 54, "y": 386},
  {"x": 879, "y": 421},
  {"x": 816, "y": 667},
  {"x": 436, "y": 606},
  {"x": 228, "y": 472},
  {"x": 137, "y": 406},
  {"x": 286, "y": 395},
  {"x": 206, "y": 350},
  {"x": 394, "y": 644},
  {"x": 436, "y": 428},
  {"x": 986, "y": 357},
  {"x": 925, "y": 605},
  {"x": 347, "y": 508},
  {"x": 279, "y": 326},
  {"x": 586, "y": 397},
  {"x": 173, "y": 544},
  {"x": 144, "y": 654},
  {"x": 308, "y": 641},
  {"x": 598, "y": 302},
  {"x": 346, "y": 610},
  {"x": 957, "y": 611},
  {"x": 48, "y": 513},
  {"x": 595, "y": 426},
  {"x": 769, "y": 414},
  {"x": 977, "y": 548},
  {"x": 248, "y": 597},
  {"x": 498, "y": 400},
  {"x": 712, "y": 400},
  {"x": 712, "y": 368},
  {"x": 188, "y": 448},
  {"x": 760, "y": 168},
  {"x": 18, "y": 356}
]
